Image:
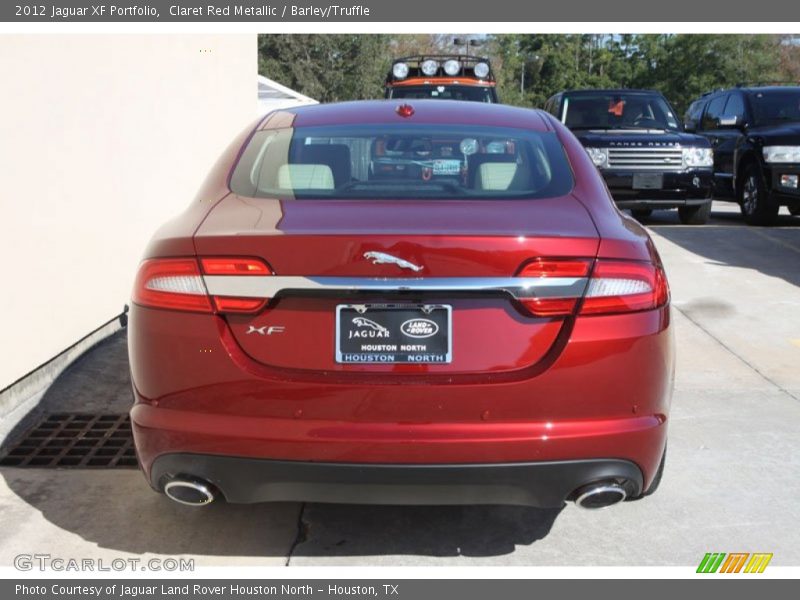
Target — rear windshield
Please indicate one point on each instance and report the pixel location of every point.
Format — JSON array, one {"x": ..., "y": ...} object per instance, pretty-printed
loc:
[
  {"x": 612, "y": 110},
  {"x": 402, "y": 162},
  {"x": 775, "y": 107},
  {"x": 444, "y": 92}
]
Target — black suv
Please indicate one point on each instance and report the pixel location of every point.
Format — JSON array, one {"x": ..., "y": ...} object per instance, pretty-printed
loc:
[
  {"x": 636, "y": 140},
  {"x": 755, "y": 133}
]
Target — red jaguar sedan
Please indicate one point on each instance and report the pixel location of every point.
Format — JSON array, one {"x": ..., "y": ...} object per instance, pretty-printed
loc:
[{"x": 380, "y": 302}]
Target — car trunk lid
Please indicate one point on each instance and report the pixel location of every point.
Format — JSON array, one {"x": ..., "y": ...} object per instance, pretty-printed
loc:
[{"x": 406, "y": 255}]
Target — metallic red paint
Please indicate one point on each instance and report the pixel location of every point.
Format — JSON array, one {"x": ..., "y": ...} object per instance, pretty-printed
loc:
[{"x": 520, "y": 388}]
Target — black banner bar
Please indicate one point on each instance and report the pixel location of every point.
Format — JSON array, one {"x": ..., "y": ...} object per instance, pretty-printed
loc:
[
  {"x": 388, "y": 589},
  {"x": 445, "y": 11}
]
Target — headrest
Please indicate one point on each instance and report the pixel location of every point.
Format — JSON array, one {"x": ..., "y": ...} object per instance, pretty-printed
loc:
[
  {"x": 305, "y": 177},
  {"x": 495, "y": 175}
]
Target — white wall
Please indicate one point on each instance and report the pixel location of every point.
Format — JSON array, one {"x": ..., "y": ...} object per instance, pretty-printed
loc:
[{"x": 102, "y": 138}]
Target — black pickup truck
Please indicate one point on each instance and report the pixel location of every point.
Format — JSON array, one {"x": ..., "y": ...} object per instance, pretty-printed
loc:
[
  {"x": 636, "y": 140},
  {"x": 755, "y": 133}
]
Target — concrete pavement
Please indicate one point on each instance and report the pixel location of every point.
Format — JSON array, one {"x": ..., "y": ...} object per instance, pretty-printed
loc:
[{"x": 730, "y": 483}]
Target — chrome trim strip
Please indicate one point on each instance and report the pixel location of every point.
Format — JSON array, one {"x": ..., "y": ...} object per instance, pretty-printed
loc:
[{"x": 519, "y": 287}]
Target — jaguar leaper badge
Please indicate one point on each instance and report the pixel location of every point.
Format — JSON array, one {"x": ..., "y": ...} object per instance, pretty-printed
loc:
[{"x": 381, "y": 258}]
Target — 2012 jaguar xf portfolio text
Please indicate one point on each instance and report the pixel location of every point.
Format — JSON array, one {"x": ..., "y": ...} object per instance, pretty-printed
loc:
[{"x": 432, "y": 302}]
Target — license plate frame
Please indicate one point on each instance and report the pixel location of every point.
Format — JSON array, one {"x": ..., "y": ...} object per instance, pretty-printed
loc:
[{"x": 407, "y": 326}]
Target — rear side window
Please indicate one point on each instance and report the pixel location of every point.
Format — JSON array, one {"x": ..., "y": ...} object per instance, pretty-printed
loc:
[
  {"x": 402, "y": 162},
  {"x": 735, "y": 107},
  {"x": 694, "y": 113},
  {"x": 714, "y": 112}
]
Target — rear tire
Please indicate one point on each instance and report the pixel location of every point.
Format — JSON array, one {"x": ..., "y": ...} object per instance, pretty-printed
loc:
[
  {"x": 695, "y": 215},
  {"x": 758, "y": 208},
  {"x": 641, "y": 213},
  {"x": 656, "y": 480}
]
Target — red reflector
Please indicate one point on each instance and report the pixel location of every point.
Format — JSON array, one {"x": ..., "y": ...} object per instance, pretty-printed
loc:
[
  {"x": 173, "y": 283},
  {"x": 246, "y": 305},
  {"x": 405, "y": 110},
  {"x": 625, "y": 286},
  {"x": 234, "y": 266}
]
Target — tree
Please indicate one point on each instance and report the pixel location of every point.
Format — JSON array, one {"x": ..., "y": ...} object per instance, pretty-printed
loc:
[
  {"x": 690, "y": 65},
  {"x": 529, "y": 68},
  {"x": 790, "y": 58},
  {"x": 328, "y": 68}
]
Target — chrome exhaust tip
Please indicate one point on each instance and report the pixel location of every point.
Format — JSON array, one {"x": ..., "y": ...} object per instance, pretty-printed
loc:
[
  {"x": 600, "y": 495},
  {"x": 191, "y": 492}
]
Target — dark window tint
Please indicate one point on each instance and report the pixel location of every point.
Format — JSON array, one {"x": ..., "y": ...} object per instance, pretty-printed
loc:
[
  {"x": 444, "y": 92},
  {"x": 714, "y": 112},
  {"x": 552, "y": 106},
  {"x": 771, "y": 107},
  {"x": 402, "y": 162},
  {"x": 617, "y": 110},
  {"x": 735, "y": 107},
  {"x": 694, "y": 113}
]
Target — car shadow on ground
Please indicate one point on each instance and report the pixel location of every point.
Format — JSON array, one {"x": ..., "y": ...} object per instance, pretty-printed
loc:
[
  {"x": 726, "y": 240},
  {"x": 115, "y": 509},
  {"x": 333, "y": 530}
]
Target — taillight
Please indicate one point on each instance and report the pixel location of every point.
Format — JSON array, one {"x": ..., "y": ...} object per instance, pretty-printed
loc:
[
  {"x": 548, "y": 267},
  {"x": 173, "y": 283},
  {"x": 612, "y": 287},
  {"x": 624, "y": 286},
  {"x": 234, "y": 266},
  {"x": 227, "y": 304},
  {"x": 177, "y": 283}
]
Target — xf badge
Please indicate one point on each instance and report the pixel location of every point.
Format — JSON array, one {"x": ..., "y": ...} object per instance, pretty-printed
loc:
[{"x": 265, "y": 329}]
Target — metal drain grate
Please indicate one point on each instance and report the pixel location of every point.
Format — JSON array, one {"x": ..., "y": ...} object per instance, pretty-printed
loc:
[{"x": 75, "y": 440}]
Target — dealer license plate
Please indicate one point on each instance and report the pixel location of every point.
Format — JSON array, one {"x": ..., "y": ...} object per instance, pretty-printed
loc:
[{"x": 394, "y": 333}]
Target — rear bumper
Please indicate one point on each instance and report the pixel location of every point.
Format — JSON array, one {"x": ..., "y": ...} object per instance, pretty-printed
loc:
[
  {"x": 531, "y": 463},
  {"x": 247, "y": 480},
  {"x": 656, "y": 203},
  {"x": 604, "y": 395}
]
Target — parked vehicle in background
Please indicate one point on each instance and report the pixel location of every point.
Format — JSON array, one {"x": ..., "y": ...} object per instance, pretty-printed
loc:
[
  {"x": 636, "y": 140},
  {"x": 755, "y": 133},
  {"x": 442, "y": 77},
  {"x": 425, "y": 302}
]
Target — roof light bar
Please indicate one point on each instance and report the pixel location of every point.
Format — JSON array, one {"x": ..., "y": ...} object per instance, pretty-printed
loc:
[{"x": 400, "y": 70}]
